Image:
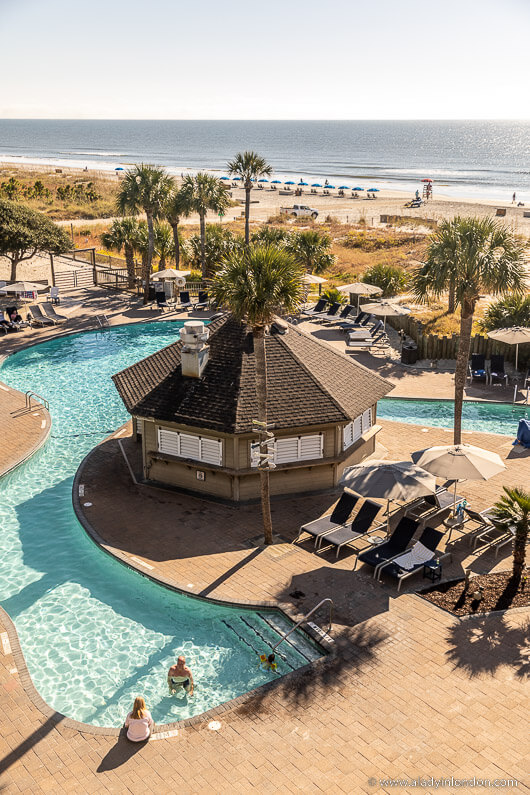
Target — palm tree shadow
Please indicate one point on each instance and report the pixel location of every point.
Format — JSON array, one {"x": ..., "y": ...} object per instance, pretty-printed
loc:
[
  {"x": 353, "y": 650},
  {"x": 482, "y": 645}
]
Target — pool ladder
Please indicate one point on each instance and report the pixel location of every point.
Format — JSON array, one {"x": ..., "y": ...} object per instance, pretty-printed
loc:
[
  {"x": 302, "y": 620},
  {"x": 28, "y": 407}
]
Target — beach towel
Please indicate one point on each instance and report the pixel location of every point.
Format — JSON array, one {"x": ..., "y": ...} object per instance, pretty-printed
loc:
[
  {"x": 523, "y": 433},
  {"x": 414, "y": 557}
]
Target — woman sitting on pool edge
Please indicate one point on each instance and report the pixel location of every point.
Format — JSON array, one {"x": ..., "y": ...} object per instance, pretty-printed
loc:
[{"x": 139, "y": 722}]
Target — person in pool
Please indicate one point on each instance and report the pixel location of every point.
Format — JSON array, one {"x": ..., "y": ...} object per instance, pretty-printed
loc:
[
  {"x": 268, "y": 663},
  {"x": 179, "y": 675}
]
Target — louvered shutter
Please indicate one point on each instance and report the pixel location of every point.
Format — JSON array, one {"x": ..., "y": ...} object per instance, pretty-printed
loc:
[
  {"x": 367, "y": 420},
  {"x": 286, "y": 450},
  {"x": 190, "y": 446},
  {"x": 168, "y": 442},
  {"x": 347, "y": 435},
  {"x": 310, "y": 447},
  {"x": 211, "y": 451},
  {"x": 357, "y": 428}
]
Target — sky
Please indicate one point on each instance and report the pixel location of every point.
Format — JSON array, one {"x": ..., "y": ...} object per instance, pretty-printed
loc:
[{"x": 264, "y": 59}]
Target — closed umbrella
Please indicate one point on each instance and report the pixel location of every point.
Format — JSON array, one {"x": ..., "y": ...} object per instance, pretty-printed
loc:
[
  {"x": 359, "y": 288},
  {"x": 389, "y": 480},
  {"x": 515, "y": 335},
  {"x": 459, "y": 462},
  {"x": 386, "y": 309}
]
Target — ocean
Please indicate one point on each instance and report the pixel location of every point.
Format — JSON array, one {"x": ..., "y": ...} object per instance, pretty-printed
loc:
[{"x": 471, "y": 159}]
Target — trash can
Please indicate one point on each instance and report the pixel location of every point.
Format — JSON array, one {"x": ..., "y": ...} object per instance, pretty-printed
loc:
[{"x": 409, "y": 353}]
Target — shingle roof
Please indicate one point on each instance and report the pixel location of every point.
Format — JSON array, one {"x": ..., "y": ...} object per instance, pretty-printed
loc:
[{"x": 308, "y": 383}]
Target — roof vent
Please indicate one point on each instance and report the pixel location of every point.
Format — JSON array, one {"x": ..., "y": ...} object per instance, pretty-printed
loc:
[
  {"x": 279, "y": 327},
  {"x": 195, "y": 352}
]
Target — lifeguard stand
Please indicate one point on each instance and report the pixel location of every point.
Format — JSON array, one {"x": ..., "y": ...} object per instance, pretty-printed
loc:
[{"x": 427, "y": 189}]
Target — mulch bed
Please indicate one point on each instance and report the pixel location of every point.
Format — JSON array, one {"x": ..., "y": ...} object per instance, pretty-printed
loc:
[{"x": 497, "y": 594}]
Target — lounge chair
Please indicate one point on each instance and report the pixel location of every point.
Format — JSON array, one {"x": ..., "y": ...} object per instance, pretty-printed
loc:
[
  {"x": 346, "y": 311},
  {"x": 360, "y": 526},
  {"x": 379, "y": 342},
  {"x": 482, "y": 521},
  {"x": 414, "y": 559},
  {"x": 54, "y": 295},
  {"x": 337, "y": 518},
  {"x": 359, "y": 323},
  {"x": 202, "y": 301},
  {"x": 50, "y": 312},
  {"x": 37, "y": 318},
  {"x": 396, "y": 544},
  {"x": 477, "y": 367},
  {"x": 433, "y": 504},
  {"x": 316, "y": 309},
  {"x": 184, "y": 300},
  {"x": 364, "y": 332},
  {"x": 497, "y": 374},
  {"x": 330, "y": 314},
  {"x": 161, "y": 300}
]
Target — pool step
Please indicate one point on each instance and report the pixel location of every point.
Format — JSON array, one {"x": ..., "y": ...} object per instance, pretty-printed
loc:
[
  {"x": 299, "y": 641},
  {"x": 254, "y": 642}
]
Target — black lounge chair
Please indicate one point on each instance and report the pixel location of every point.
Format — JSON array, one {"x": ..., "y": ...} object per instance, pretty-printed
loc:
[
  {"x": 337, "y": 518},
  {"x": 316, "y": 309},
  {"x": 433, "y": 504},
  {"x": 202, "y": 301},
  {"x": 477, "y": 367},
  {"x": 380, "y": 341},
  {"x": 330, "y": 314},
  {"x": 38, "y": 318},
  {"x": 161, "y": 300},
  {"x": 497, "y": 374},
  {"x": 50, "y": 312},
  {"x": 346, "y": 311},
  {"x": 184, "y": 300},
  {"x": 359, "y": 527},
  {"x": 414, "y": 559},
  {"x": 393, "y": 546}
]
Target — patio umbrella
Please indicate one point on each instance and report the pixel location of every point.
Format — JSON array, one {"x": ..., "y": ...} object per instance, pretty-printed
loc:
[
  {"x": 516, "y": 335},
  {"x": 170, "y": 273},
  {"x": 23, "y": 287},
  {"x": 459, "y": 462},
  {"x": 389, "y": 480},
  {"x": 359, "y": 288},
  {"x": 386, "y": 309},
  {"x": 309, "y": 278}
]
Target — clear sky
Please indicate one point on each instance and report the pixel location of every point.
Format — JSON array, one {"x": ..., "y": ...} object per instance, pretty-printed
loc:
[{"x": 272, "y": 59}]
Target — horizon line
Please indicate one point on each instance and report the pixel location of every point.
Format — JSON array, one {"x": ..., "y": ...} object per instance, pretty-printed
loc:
[{"x": 154, "y": 118}]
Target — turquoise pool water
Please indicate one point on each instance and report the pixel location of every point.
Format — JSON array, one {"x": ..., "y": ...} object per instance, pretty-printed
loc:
[
  {"x": 95, "y": 634},
  {"x": 476, "y": 416}
]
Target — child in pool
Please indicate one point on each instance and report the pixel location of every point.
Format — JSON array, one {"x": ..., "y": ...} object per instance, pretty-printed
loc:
[{"x": 268, "y": 663}]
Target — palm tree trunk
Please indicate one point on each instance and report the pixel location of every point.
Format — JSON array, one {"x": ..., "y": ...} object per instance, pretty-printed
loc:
[
  {"x": 451, "y": 298},
  {"x": 261, "y": 394},
  {"x": 129, "y": 262},
  {"x": 464, "y": 345},
  {"x": 175, "y": 228},
  {"x": 149, "y": 258},
  {"x": 519, "y": 551},
  {"x": 247, "y": 214},
  {"x": 14, "y": 263},
  {"x": 202, "y": 223}
]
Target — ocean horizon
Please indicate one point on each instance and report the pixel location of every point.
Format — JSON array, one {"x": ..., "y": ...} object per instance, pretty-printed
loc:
[{"x": 469, "y": 159}]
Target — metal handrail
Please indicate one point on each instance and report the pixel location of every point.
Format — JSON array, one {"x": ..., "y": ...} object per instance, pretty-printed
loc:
[
  {"x": 323, "y": 601},
  {"x": 30, "y": 394}
]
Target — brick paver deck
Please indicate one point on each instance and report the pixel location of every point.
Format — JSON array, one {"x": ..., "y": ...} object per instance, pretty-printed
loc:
[{"x": 21, "y": 432}]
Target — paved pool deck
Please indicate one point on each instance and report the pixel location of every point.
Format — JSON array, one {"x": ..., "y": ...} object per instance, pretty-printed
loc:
[{"x": 22, "y": 430}]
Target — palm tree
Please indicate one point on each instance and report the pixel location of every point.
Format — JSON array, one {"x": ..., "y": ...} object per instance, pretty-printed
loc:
[
  {"x": 206, "y": 193},
  {"x": 255, "y": 285},
  {"x": 123, "y": 235},
  {"x": 249, "y": 166},
  {"x": 513, "y": 509},
  {"x": 179, "y": 205},
  {"x": 311, "y": 249},
  {"x": 270, "y": 236},
  {"x": 145, "y": 189},
  {"x": 164, "y": 245},
  {"x": 486, "y": 257}
]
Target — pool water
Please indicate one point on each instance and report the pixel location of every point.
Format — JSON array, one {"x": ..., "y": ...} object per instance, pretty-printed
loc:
[
  {"x": 94, "y": 633},
  {"x": 476, "y": 416}
]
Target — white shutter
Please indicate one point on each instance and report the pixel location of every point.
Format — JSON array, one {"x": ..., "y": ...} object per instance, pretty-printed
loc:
[
  {"x": 347, "y": 435},
  {"x": 168, "y": 442},
  {"x": 254, "y": 454},
  {"x": 310, "y": 447},
  {"x": 211, "y": 451},
  {"x": 357, "y": 428},
  {"x": 286, "y": 450},
  {"x": 367, "y": 420},
  {"x": 190, "y": 446}
]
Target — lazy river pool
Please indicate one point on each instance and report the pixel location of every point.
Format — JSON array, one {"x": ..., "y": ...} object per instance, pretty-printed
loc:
[{"x": 94, "y": 633}]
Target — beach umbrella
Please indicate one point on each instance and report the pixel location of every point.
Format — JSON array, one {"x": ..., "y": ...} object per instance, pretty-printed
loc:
[
  {"x": 373, "y": 190},
  {"x": 389, "y": 480},
  {"x": 316, "y": 185},
  {"x": 359, "y": 288},
  {"x": 263, "y": 180},
  {"x": 515, "y": 335},
  {"x": 118, "y": 168},
  {"x": 237, "y": 179},
  {"x": 344, "y": 187},
  {"x": 290, "y": 182},
  {"x": 302, "y": 183},
  {"x": 23, "y": 287},
  {"x": 427, "y": 180},
  {"x": 459, "y": 462},
  {"x": 331, "y": 187},
  {"x": 357, "y": 188},
  {"x": 276, "y": 182},
  {"x": 385, "y": 309},
  {"x": 225, "y": 177}
]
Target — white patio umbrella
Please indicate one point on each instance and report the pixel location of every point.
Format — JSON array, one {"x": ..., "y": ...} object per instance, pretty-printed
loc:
[
  {"x": 459, "y": 462},
  {"x": 385, "y": 309},
  {"x": 171, "y": 273},
  {"x": 23, "y": 287},
  {"x": 390, "y": 480},
  {"x": 359, "y": 288},
  {"x": 515, "y": 335},
  {"x": 310, "y": 278}
]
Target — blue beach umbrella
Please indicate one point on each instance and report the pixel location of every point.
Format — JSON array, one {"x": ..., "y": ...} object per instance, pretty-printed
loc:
[
  {"x": 276, "y": 182},
  {"x": 263, "y": 180},
  {"x": 289, "y": 182},
  {"x": 357, "y": 188},
  {"x": 316, "y": 185},
  {"x": 302, "y": 183},
  {"x": 373, "y": 190},
  {"x": 330, "y": 187},
  {"x": 225, "y": 177},
  {"x": 236, "y": 179},
  {"x": 119, "y": 168},
  {"x": 344, "y": 187}
]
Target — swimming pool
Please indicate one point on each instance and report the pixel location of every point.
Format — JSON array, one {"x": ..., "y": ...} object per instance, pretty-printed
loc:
[
  {"x": 94, "y": 633},
  {"x": 476, "y": 416}
]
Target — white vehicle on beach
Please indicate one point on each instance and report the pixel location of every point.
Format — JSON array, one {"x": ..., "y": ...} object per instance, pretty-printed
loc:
[{"x": 299, "y": 211}]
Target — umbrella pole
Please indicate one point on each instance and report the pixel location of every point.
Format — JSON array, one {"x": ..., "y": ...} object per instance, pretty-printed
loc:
[
  {"x": 454, "y": 503},
  {"x": 387, "y": 518},
  {"x": 516, "y": 356}
]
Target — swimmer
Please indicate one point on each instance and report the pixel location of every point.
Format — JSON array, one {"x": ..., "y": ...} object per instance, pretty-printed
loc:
[
  {"x": 268, "y": 663},
  {"x": 179, "y": 675}
]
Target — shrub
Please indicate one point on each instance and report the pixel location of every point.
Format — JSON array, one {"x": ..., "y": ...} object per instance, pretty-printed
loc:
[
  {"x": 390, "y": 279},
  {"x": 334, "y": 296},
  {"x": 514, "y": 310}
]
